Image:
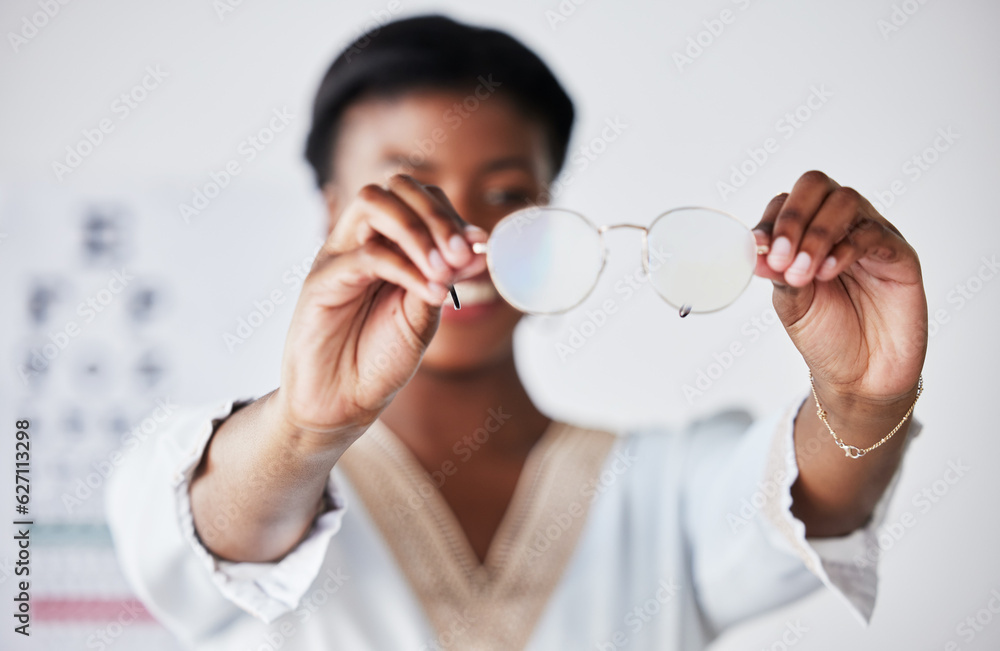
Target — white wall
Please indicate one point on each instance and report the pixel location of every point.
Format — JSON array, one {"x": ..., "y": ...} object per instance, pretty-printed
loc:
[{"x": 890, "y": 94}]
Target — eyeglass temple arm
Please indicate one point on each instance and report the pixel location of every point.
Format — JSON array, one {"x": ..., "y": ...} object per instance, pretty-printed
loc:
[{"x": 477, "y": 247}]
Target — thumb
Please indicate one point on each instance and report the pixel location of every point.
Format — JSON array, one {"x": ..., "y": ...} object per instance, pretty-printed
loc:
[
  {"x": 792, "y": 303},
  {"x": 762, "y": 235},
  {"x": 422, "y": 317}
]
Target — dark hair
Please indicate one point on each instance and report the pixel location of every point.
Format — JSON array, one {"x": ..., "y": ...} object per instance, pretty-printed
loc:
[{"x": 437, "y": 52}]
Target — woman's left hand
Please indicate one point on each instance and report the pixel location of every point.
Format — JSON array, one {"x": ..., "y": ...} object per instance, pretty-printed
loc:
[{"x": 848, "y": 289}]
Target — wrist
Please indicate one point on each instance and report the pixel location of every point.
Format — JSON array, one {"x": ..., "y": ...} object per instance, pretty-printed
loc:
[
  {"x": 864, "y": 419},
  {"x": 855, "y": 407},
  {"x": 303, "y": 441}
]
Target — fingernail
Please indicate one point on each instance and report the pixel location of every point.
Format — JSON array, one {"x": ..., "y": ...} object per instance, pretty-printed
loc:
[
  {"x": 829, "y": 263},
  {"x": 801, "y": 264},
  {"x": 473, "y": 229},
  {"x": 457, "y": 244},
  {"x": 760, "y": 239},
  {"x": 437, "y": 262},
  {"x": 781, "y": 248},
  {"x": 439, "y": 291}
]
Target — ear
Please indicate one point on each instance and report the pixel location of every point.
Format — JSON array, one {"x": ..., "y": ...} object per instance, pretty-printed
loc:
[{"x": 331, "y": 196}]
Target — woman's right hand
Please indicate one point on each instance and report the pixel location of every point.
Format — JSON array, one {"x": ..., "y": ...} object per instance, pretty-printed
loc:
[{"x": 371, "y": 304}]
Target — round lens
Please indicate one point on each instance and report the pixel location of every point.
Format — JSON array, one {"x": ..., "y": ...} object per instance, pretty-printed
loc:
[
  {"x": 544, "y": 260},
  {"x": 700, "y": 260}
]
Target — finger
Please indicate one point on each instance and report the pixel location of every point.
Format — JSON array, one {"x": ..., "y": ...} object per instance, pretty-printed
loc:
[
  {"x": 440, "y": 218},
  {"x": 762, "y": 235},
  {"x": 474, "y": 268},
  {"x": 472, "y": 232},
  {"x": 383, "y": 212},
  {"x": 864, "y": 238},
  {"x": 345, "y": 276},
  {"x": 762, "y": 231},
  {"x": 807, "y": 195},
  {"x": 833, "y": 221}
]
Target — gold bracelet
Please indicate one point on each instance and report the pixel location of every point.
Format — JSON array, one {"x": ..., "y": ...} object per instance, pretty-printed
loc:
[{"x": 850, "y": 450}]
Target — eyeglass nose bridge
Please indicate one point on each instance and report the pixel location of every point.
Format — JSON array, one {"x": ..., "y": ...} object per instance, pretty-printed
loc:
[{"x": 645, "y": 240}]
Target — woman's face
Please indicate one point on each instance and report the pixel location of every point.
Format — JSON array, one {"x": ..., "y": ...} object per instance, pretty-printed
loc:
[{"x": 487, "y": 156}]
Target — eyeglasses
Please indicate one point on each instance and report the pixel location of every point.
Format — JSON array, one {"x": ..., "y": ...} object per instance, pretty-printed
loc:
[{"x": 548, "y": 260}]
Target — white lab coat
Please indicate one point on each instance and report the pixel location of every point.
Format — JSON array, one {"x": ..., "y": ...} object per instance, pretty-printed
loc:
[{"x": 694, "y": 535}]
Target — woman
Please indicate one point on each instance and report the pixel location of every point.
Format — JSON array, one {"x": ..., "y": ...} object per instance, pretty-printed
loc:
[{"x": 400, "y": 490}]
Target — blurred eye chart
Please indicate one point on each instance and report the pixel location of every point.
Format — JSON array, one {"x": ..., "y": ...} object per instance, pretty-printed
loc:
[
  {"x": 91, "y": 362},
  {"x": 84, "y": 338}
]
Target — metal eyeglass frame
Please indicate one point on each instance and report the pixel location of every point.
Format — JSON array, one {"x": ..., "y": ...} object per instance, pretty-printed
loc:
[{"x": 684, "y": 310}]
